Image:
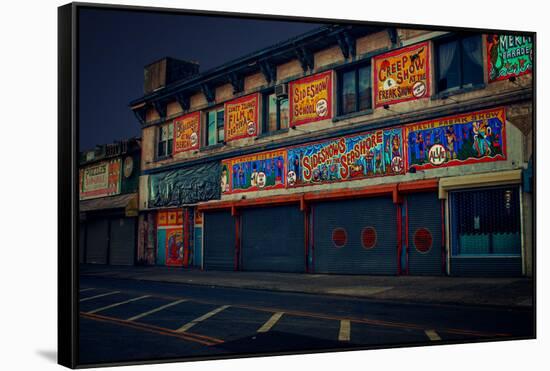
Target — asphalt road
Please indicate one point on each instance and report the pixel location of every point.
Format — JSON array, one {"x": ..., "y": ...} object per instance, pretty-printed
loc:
[{"x": 130, "y": 320}]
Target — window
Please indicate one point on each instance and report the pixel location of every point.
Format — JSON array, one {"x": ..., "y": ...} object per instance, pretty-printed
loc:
[
  {"x": 214, "y": 127},
  {"x": 459, "y": 63},
  {"x": 355, "y": 90},
  {"x": 165, "y": 138},
  {"x": 486, "y": 222},
  {"x": 276, "y": 113}
]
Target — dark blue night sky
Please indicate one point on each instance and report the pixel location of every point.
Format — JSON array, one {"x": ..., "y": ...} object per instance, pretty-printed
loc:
[{"x": 115, "y": 45}]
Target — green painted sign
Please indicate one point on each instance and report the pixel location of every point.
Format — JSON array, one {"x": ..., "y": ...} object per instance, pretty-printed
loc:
[{"x": 508, "y": 56}]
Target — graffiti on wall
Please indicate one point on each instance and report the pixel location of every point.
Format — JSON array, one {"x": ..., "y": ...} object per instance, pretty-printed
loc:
[
  {"x": 457, "y": 140},
  {"x": 100, "y": 180},
  {"x": 508, "y": 55},
  {"x": 241, "y": 117},
  {"x": 255, "y": 172},
  {"x": 310, "y": 99},
  {"x": 402, "y": 75},
  {"x": 186, "y": 132},
  {"x": 370, "y": 154}
]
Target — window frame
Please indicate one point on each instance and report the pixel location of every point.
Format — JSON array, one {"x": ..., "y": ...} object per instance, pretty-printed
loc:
[
  {"x": 168, "y": 143},
  {"x": 205, "y": 129},
  {"x": 265, "y": 114},
  {"x": 340, "y": 88}
]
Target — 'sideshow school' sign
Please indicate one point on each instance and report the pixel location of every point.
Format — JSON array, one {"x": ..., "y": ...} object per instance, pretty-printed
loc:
[
  {"x": 457, "y": 140},
  {"x": 366, "y": 155},
  {"x": 310, "y": 99},
  {"x": 186, "y": 132},
  {"x": 508, "y": 56},
  {"x": 402, "y": 75},
  {"x": 241, "y": 117}
]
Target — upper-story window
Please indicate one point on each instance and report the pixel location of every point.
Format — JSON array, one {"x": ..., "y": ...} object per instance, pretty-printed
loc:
[
  {"x": 165, "y": 139},
  {"x": 214, "y": 127},
  {"x": 459, "y": 63},
  {"x": 276, "y": 113},
  {"x": 355, "y": 89}
]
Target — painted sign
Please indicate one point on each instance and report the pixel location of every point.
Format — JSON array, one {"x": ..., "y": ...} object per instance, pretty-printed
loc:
[
  {"x": 174, "y": 246},
  {"x": 310, "y": 99},
  {"x": 100, "y": 180},
  {"x": 508, "y": 55},
  {"x": 457, "y": 140},
  {"x": 402, "y": 75},
  {"x": 241, "y": 117},
  {"x": 255, "y": 172},
  {"x": 186, "y": 132},
  {"x": 167, "y": 218},
  {"x": 366, "y": 155}
]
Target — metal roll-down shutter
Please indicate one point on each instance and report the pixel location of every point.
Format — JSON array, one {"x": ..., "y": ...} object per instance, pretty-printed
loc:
[
  {"x": 273, "y": 239},
  {"x": 97, "y": 241},
  {"x": 219, "y": 240},
  {"x": 123, "y": 241},
  {"x": 356, "y": 236}
]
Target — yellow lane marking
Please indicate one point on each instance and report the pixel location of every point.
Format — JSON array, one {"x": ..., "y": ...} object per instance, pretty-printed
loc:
[
  {"x": 345, "y": 330},
  {"x": 117, "y": 304},
  {"x": 201, "y": 318},
  {"x": 271, "y": 322},
  {"x": 156, "y": 310},
  {"x": 99, "y": 296},
  {"x": 432, "y": 335},
  {"x": 88, "y": 289}
]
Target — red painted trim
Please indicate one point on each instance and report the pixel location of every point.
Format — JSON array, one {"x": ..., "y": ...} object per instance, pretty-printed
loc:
[
  {"x": 304, "y": 80},
  {"x": 407, "y": 247},
  {"x": 381, "y": 190},
  {"x": 419, "y": 186},
  {"x": 186, "y": 237},
  {"x": 399, "y": 239},
  {"x": 251, "y": 97}
]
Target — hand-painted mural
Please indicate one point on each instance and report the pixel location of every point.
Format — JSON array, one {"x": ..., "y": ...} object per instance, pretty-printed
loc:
[
  {"x": 457, "y": 140},
  {"x": 366, "y": 155},
  {"x": 241, "y": 117},
  {"x": 260, "y": 171},
  {"x": 508, "y": 55},
  {"x": 402, "y": 75},
  {"x": 174, "y": 246},
  {"x": 100, "y": 180},
  {"x": 310, "y": 99},
  {"x": 186, "y": 132}
]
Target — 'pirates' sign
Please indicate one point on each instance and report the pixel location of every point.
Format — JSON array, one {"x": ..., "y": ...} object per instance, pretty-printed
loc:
[
  {"x": 241, "y": 117},
  {"x": 186, "y": 132},
  {"x": 311, "y": 99},
  {"x": 402, "y": 75}
]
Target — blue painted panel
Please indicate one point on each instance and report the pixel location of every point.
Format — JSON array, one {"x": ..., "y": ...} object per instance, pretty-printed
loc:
[
  {"x": 197, "y": 247},
  {"x": 161, "y": 247}
]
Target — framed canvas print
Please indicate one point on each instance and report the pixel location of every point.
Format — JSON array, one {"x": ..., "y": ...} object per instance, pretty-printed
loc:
[{"x": 238, "y": 185}]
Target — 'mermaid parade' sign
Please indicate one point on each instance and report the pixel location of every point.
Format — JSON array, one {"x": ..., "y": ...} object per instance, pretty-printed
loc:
[{"x": 508, "y": 56}]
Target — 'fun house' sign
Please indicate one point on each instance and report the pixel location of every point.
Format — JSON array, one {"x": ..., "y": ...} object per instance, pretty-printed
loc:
[
  {"x": 402, "y": 75},
  {"x": 255, "y": 172},
  {"x": 508, "y": 56},
  {"x": 100, "y": 180},
  {"x": 366, "y": 155},
  {"x": 241, "y": 117},
  {"x": 310, "y": 99},
  {"x": 186, "y": 132},
  {"x": 457, "y": 140}
]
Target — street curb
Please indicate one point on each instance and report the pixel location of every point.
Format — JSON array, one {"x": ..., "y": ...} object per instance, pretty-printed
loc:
[{"x": 319, "y": 292}]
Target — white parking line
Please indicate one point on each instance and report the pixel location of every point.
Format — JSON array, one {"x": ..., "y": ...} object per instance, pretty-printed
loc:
[
  {"x": 345, "y": 330},
  {"x": 88, "y": 289},
  {"x": 201, "y": 318},
  {"x": 117, "y": 304},
  {"x": 156, "y": 310},
  {"x": 271, "y": 322},
  {"x": 432, "y": 335},
  {"x": 99, "y": 296}
]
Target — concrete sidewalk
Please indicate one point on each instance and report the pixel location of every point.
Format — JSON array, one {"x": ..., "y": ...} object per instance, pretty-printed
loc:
[{"x": 502, "y": 292}]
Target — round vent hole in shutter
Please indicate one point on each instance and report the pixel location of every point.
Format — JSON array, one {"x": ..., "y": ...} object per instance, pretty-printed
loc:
[
  {"x": 423, "y": 240},
  {"x": 368, "y": 237},
  {"x": 339, "y": 237}
]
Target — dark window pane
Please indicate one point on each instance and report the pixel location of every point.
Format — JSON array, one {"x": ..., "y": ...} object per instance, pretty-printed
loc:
[
  {"x": 364, "y": 88},
  {"x": 219, "y": 123},
  {"x": 271, "y": 112},
  {"x": 169, "y": 147},
  {"x": 472, "y": 67},
  {"x": 349, "y": 98},
  {"x": 161, "y": 147},
  {"x": 284, "y": 112},
  {"x": 211, "y": 133},
  {"x": 448, "y": 57}
]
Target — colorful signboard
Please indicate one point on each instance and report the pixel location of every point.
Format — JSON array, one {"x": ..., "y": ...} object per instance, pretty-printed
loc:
[
  {"x": 166, "y": 218},
  {"x": 241, "y": 117},
  {"x": 457, "y": 140},
  {"x": 310, "y": 99},
  {"x": 187, "y": 132},
  {"x": 100, "y": 180},
  {"x": 255, "y": 172},
  {"x": 174, "y": 246},
  {"x": 508, "y": 55},
  {"x": 366, "y": 155},
  {"x": 402, "y": 75}
]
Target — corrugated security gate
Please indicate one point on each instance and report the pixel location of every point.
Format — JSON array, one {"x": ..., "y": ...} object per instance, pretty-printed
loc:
[
  {"x": 356, "y": 236},
  {"x": 424, "y": 234},
  {"x": 97, "y": 241},
  {"x": 273, "y": 239},
  {"x": 219, "y": 240},
  {"x": 123, "y": 239},
  {"x": 81, "y": 242}
]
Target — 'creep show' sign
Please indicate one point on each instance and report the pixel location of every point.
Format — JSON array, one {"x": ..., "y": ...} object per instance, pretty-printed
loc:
[
  {"x": 402, "y": 75},
  {"x": 311, "y": 99},
  {"x": 241, "y": 117}
]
